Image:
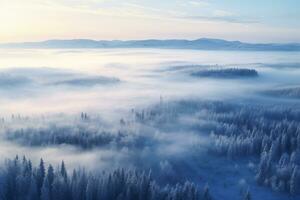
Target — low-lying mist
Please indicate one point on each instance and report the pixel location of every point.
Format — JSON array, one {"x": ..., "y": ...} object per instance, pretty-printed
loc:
[{"x": 207, "y": 117}]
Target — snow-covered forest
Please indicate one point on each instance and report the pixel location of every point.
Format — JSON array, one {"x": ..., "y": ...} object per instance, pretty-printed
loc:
[
  {"x": 271, "y": 132},
  {"x": 21, "y": 180},
  {"x": 149, "y": 124}
]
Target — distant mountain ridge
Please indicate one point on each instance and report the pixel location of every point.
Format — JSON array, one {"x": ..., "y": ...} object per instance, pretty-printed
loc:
[{"x": 201, "y": 44}]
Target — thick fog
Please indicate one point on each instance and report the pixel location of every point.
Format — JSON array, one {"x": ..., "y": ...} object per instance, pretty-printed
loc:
[
  {"x": 183, "y": 114},
  {"x": 39, "y": 81}
]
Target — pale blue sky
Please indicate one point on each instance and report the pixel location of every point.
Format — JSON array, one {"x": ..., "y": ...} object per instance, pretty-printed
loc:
[{"x": 246, "y": 20}]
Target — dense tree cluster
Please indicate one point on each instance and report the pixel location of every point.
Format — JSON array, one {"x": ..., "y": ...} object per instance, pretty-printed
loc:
[
  {"x": 238, "y": 130},
  {"x": 85, "y": 137},
  {"x": 20, "y": 180},
  {"x": 274, "y": 134},
  {"x": 226, "y": 73}
]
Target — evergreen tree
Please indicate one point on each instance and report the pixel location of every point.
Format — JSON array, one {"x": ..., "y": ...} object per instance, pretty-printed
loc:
[
  {"x": 40, "y": 176},
  {"x": 91, "y": 189},
  {"x": 295, "y": 182},
  {"x": 33, "y": 190},
  {"x": 63, "y": 171},
  {"x": 45, "y": 191}
]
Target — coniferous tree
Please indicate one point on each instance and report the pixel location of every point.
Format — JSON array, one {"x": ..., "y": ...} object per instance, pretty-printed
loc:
[
  {"x": 63, "y": 171},
  {"x": 295, "y": 181},
  {"x": 33, "y": 193},
  {"x": 45, "y": 191},
  {"x": 40, "y": 176}
]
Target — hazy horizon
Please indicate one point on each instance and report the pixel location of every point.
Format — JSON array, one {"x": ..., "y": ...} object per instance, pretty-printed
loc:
[
  {"x": 252, "y": 21},
  {"x": 162, "y": 39}
]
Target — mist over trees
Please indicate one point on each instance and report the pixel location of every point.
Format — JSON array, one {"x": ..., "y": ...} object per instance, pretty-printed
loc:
[
  {"x": 270, "y": 133},
  {"x": 79, "y": 136},
  {"x": 185, "y": 143},
  {"x": 289, "y": 92},
  {"x": 86, "y": 132},
  {"x": 149, "y": 123}
]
